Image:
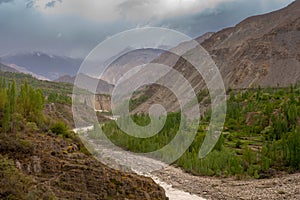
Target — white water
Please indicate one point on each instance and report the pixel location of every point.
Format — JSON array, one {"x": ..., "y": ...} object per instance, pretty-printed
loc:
[
  {"x": 172, "y": 193},
  {"x": 83, "y": 129},
  {"x": 138, "y": 164},
  {"x": 175, "y": 194}
]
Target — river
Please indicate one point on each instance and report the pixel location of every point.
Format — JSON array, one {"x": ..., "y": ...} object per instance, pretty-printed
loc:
[{"x": 138, "y": 164}]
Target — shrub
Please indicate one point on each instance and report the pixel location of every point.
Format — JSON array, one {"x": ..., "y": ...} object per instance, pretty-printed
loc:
[
  {"x": 31, "y": 127},
  {"x": 13, "y": 184},
  {"x": 59, "y": 128}
]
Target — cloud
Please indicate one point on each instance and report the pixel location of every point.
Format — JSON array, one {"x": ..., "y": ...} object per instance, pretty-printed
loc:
[
  {"x": 51, "y": 4},
  {"x": 74, "y": 27},
  {"x": 96, "y": 10},
  {"x": 164, "y": 9},
  {"x": 131, "y": 10},
  {"x": 29, "y": 4},
  {"x": 6, "y": 1},
  {"x": 142, "y": 11}
]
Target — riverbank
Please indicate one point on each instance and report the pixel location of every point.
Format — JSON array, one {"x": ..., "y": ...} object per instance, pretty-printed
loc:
[{"x": 283, "y": 187}]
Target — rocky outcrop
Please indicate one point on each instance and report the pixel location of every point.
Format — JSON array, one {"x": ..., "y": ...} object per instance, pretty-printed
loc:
[
  {"x": 103, "y": 102},
  {"x": 61, "y": 170}
]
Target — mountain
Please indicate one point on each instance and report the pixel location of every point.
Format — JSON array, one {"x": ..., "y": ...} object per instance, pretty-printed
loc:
[
  {"x": 65, "y": 79},
  {"x": 6, "y": 68},
  {"x": 204, "y": 37},
  {"x": 262, "y": 51},
  {"x": 42, "y": 64},
  {"x": 128, "y": 61},
  {"x": 86, "y": 82},
  {"x": 26, "y": 71},
  {"x": 16, "y": 69}
]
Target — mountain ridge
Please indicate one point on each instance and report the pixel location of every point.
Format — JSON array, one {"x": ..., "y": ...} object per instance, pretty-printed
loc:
[{"x": 253, "y": 53}]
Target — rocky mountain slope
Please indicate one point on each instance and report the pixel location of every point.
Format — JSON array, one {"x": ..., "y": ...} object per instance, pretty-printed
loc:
[
  {"x": 17, "y": 69},
  {"x": 65, "y": 79},
  {"x": 260, "y": 51},
  {"x": 127, "y": 62},
  {"x": 40, "y": 158},
  {"x": 47, "y": 166},
  {"x": 6, "y": 68},
  {"x": 86, "y": 82}
]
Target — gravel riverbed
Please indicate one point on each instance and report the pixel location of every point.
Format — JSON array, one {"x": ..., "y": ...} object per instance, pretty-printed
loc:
[{"x": 283, "y": 187}]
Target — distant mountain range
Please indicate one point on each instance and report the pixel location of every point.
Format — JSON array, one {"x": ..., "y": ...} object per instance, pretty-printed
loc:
[
  {"x": 43, "y": 65},
  {"x": 102, "y": 88}
]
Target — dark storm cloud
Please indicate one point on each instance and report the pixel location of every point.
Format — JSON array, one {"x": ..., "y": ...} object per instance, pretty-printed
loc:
[
  {"x": 5, "y": 1},
  {"x": 51, "y": 4},
  {"x": 224, "y": 15},
  {"x": 30, "y": 30},
  {"x": 127, "y": 5},
  {"x": 29, "y": 4},
  {"x": 74, "y": 34}
]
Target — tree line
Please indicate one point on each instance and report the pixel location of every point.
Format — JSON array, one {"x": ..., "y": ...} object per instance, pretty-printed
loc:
[{"x": 20, "y": 105}]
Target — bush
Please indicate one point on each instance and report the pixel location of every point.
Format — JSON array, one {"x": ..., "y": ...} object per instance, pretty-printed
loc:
[
  {"x": 31, "y": 127},
  {"x": 59, "y": 128}
]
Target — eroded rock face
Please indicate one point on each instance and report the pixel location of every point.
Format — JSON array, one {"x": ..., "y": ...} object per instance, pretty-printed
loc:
[
  {"x": 103, "y": 102},
  {"x": 62, "y": 171}
]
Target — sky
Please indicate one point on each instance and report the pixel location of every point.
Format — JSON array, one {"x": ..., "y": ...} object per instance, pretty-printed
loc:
[{"x": 74, "y": 27}]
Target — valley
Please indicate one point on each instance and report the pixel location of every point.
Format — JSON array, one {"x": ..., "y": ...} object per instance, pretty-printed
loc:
[{"x": 59, "y": 141}]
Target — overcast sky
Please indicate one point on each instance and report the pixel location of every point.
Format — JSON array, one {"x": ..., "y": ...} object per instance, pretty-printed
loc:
[{"x": 74, "y": 27}]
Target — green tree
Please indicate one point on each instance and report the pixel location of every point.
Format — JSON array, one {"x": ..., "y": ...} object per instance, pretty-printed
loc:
[
  {"x": 12, "y": 95},
  {"x": 6, "y": 118},
  {"x": 59, "y": 128}
]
